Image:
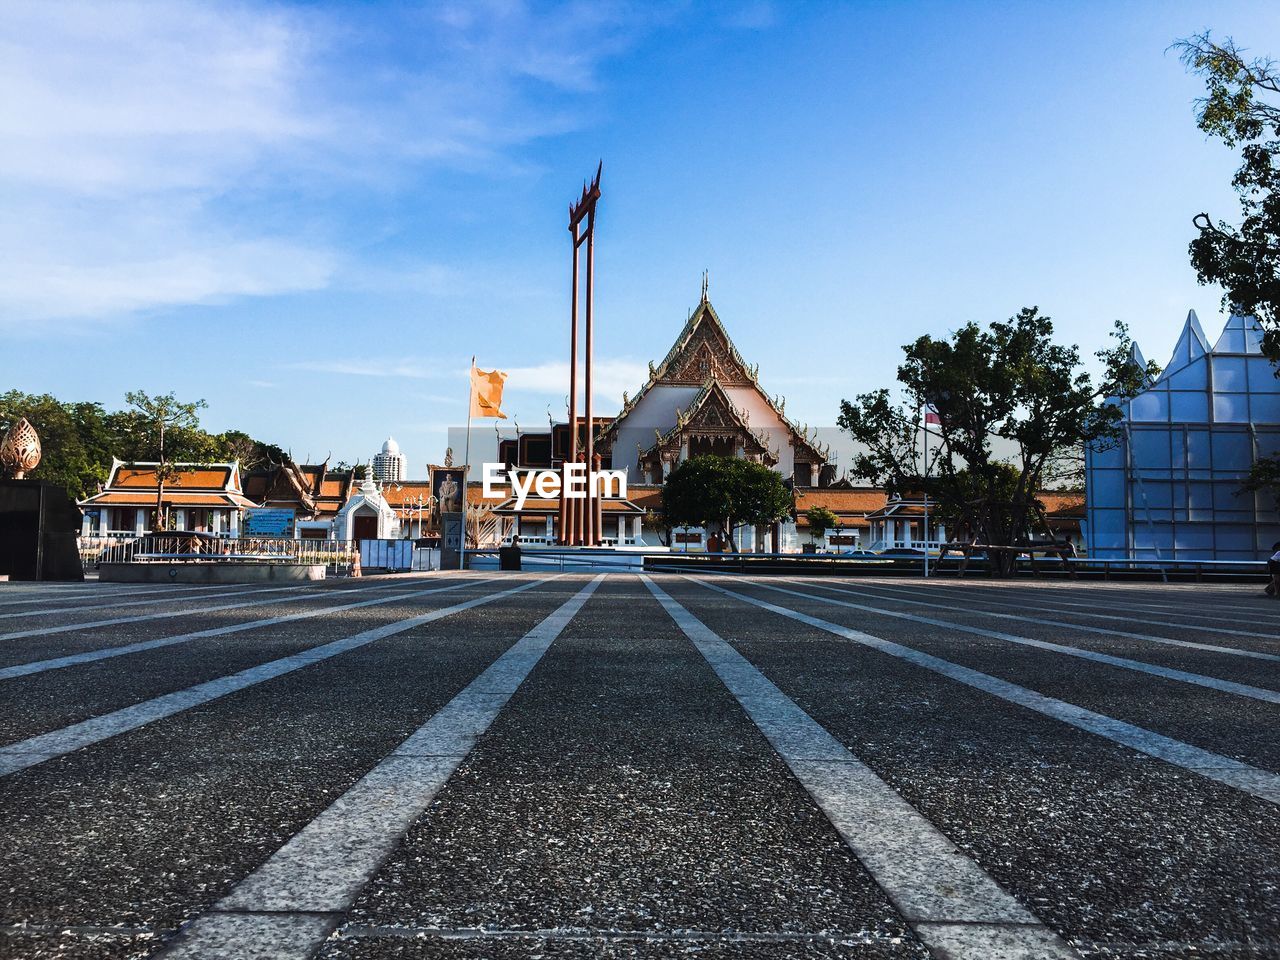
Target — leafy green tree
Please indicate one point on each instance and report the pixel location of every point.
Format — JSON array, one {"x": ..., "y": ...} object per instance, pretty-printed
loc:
[
  {"x": 1242, "y": 109},
  {"x": 73, "y": 439},
  {"x": 724, "y": 493},
  {"x": 821, "y": 519},
  {"x": 1011, "y": 381},
  {"x": 250, "y": 453},
  {"x": 162, "y": 414}
]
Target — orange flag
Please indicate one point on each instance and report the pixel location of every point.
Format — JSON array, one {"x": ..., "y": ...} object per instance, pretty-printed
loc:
[{"x": 486, "y": 393}]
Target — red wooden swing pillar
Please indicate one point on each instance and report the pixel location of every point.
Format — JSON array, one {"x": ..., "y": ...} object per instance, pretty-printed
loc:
[{"x": 581, "y": 520}]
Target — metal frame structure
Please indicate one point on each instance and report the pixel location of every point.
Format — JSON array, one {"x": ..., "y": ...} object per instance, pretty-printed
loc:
[{"x": 1172, "y": 488}]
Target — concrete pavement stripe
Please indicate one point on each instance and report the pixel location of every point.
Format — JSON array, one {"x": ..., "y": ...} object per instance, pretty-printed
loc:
[
  {"x": 1106, "y": 631},
  {"x": 89, "y": 591},
  {"x": 1024, "y": 605},
  {"x": 289, "y": 905},
  {"x": 1170, "y": 606},
  {"x": 601, "y": 936},
  {"x": 56, "y": 743},
  {"x": 938, "y": 889},
  {"x": 167, "y": 614},
  {"x": 1139, "y": 666},
  {"x": 185, "y": 598},
  {"x": 1241, "y": 776},
  {"x": 57, "y": 663}
]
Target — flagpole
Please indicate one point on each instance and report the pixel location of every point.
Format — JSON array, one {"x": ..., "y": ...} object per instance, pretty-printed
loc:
[
  {"x": 466, "y": 467},
  {"x": 926, "y": 496}
]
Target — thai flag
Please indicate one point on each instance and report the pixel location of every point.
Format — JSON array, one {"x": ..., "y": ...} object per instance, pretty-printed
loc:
[{"x": 931, "y": 415}]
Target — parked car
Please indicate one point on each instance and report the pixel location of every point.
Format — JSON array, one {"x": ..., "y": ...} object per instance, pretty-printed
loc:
[
  {"x": 904, "y": 553},
  {"x": 860, "y": 554}
]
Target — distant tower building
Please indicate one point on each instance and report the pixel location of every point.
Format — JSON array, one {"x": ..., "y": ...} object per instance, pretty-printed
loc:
[{"x": 389, "y": 465}]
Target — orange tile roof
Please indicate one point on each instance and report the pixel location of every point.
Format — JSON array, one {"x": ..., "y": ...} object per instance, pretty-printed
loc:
[
  {"x": 1062, "y": 504},
  {"x": 197, "y": 477},
  {"x": 332, "y": 487},
  {"x": 858, "y": 500}
]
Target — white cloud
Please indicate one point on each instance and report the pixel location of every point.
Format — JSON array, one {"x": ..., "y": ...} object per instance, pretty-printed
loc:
[
  {"x": 169, "y": 152},
  {"x": 357, "y": 367},
  {"x": 610, "y": 378},
  {"x": 547, "y": 380}
]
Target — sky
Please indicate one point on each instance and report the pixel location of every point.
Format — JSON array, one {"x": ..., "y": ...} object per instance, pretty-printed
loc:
[{"x": 313, "y": 214}]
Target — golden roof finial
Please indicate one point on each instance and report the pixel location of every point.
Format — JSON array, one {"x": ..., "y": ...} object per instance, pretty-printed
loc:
[{"x": 706, "y": 280}]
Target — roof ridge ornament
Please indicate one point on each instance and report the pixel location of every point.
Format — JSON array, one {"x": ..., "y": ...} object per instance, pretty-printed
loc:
[{"x": 706, "y": 282}]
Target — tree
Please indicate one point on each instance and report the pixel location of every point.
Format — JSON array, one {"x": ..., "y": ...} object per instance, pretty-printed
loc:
[
  {"x": 73, "y": 437},
  {"x": 162, "y": 414},
  {"x": 724, "y": 493},
  {"x": 248, "y": 452},
  {"x": 821, "y": 519},
  {"x": 1009, "y": 381},
  {"x": 1242, "y": 109}
]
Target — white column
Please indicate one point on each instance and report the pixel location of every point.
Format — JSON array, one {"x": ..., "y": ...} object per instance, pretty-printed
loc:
[
  {"x": 814, "y": 471},
  {"x": 140, "y": 521},
  {"x": 104, "y": 521},
  {"x": 235, "y": 523},
  {"x": 684, "y": 450},
  {"x": 666, "y": 469},
  {"x": 636, "y": 528}
]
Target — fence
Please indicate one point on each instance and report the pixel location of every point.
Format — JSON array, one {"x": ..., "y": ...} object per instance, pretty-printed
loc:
[
  {"x": 793, "y": 564},
  {"x": 336, "y": 556}
]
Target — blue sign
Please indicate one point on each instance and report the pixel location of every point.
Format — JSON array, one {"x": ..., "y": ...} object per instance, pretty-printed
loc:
[{"x": 268, "y": 522}]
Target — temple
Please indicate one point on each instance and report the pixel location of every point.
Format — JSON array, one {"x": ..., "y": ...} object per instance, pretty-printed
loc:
[{"x": 703, "y": 398}]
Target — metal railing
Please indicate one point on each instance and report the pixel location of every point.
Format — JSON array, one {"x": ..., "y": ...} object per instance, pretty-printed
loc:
[
  {"x": 569, "y": 559},
  {"x": 335, "y": 555}
]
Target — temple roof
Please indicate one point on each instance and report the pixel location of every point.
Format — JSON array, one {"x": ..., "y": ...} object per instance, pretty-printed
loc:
[
  {"x": 704, "y": 353},
  {"x": 192, "y": 484}
]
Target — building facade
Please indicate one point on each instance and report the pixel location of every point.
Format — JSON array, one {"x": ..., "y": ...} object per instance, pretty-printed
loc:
[
  {"x": 389, "y": 465},
  {"x": 1172, "y": 488}
]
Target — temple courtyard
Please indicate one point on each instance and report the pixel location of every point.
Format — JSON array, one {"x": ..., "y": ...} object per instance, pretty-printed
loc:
[{"x": 611, "y": 765}]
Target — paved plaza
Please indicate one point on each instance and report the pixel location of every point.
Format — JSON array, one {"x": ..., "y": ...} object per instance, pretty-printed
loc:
[{"x": 517, "y": 766}]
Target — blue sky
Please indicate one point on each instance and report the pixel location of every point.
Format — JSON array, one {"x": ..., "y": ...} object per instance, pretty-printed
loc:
[{"x": 313, "y": 214}]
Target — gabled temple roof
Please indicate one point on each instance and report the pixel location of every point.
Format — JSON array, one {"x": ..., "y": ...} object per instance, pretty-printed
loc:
[
  {"x": 195, "y": 484},
  {"x": 678, "y": 367},
  {"x": 712, "y": 389}
]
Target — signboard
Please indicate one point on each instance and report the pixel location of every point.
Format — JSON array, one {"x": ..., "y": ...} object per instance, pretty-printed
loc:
[{"x": 268, "y": 522}]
